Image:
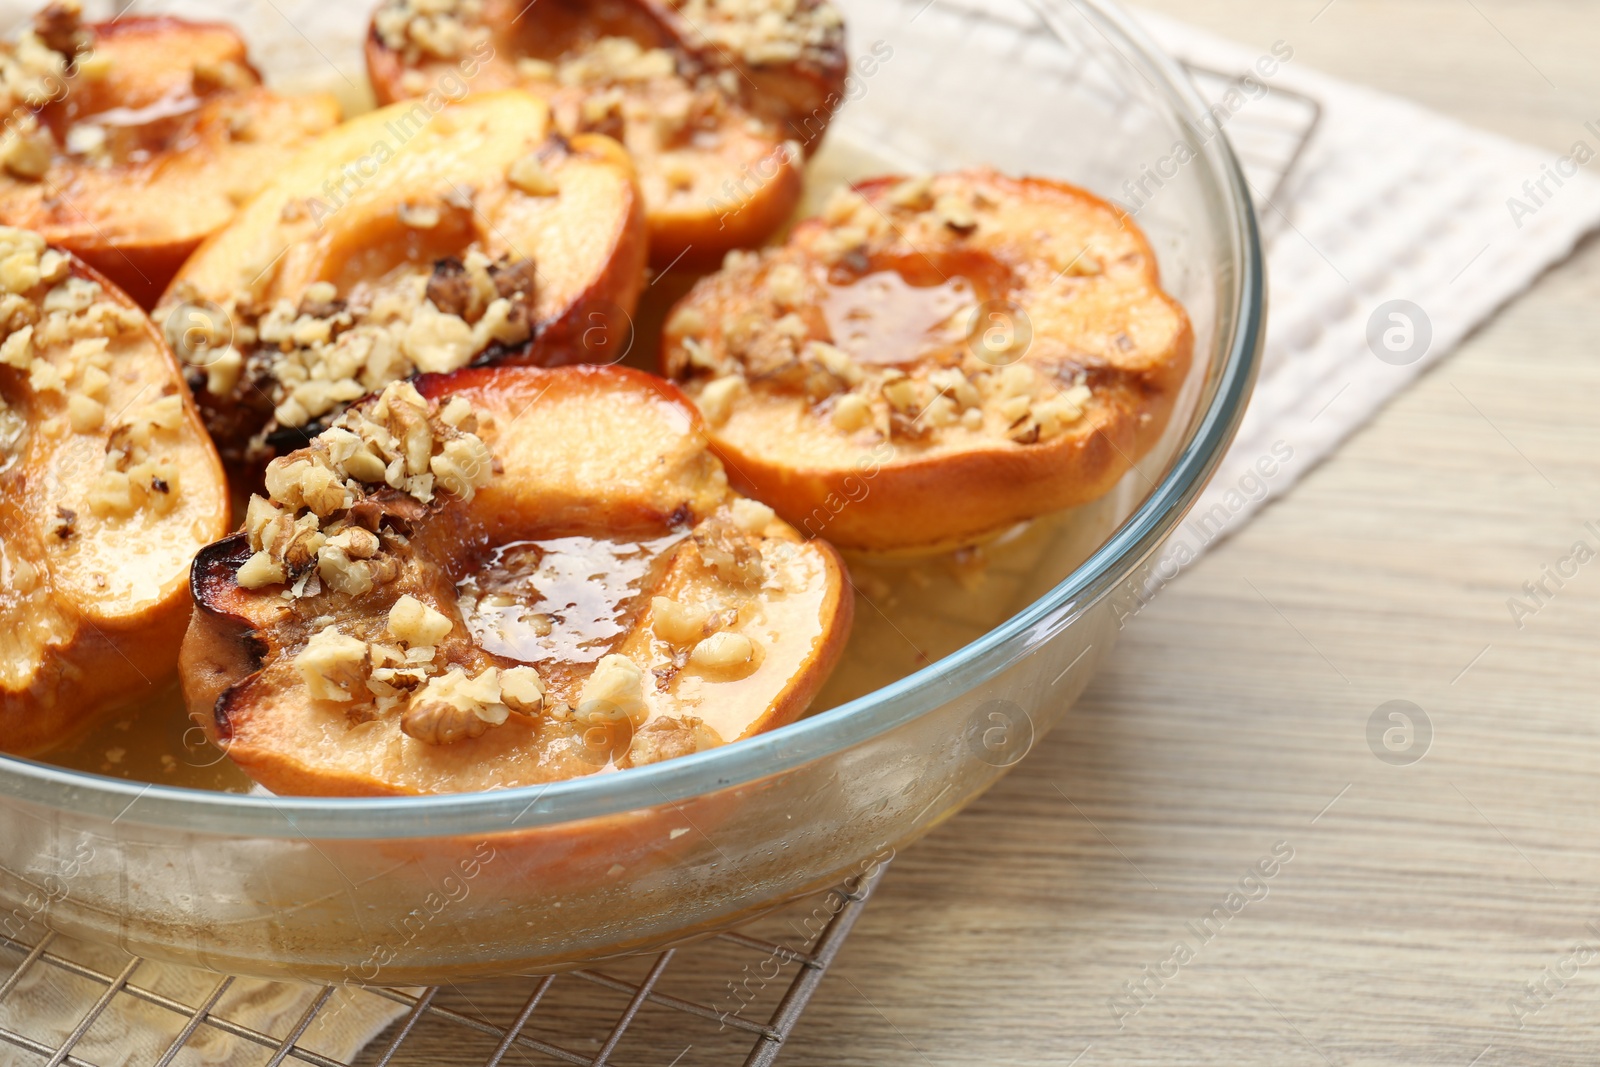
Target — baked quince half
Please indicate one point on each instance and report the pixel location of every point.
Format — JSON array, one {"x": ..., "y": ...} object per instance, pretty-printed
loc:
[
  {"x": 499, "y": 577},
  {"x": 934, "y": 359},
  {"x": 719, "y": 102},
  {"x": 134, "y": 139},
  {"x": 421, "y": 237},
  {"x": 108, "y": 487}
]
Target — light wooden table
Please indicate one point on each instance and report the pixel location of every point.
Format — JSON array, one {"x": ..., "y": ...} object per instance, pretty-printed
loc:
[{"x": 1420, "y": 900}]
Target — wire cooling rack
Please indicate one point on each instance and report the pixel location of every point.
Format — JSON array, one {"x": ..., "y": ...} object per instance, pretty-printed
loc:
[
  {"x": 720, "y": 1014},
  {"x": 1269, "y": 138}
]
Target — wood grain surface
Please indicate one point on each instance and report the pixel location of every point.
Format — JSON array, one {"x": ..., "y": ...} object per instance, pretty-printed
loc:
[{"x": 1419, "y": 901}]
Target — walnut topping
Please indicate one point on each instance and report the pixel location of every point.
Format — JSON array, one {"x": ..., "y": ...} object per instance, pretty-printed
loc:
[
  {"x": 677, "y": 623},
  {"x": 615, "y": 691},
  {"x": 766, "y": 340},
  {"x": 716, "y": 400},
  {"x": 957, "y": 214},
  {"x": 751, "y": 516},
  {"x": 728, "y": 550},
  {"x": 669, "y": 737},
  {"x": 766, "y": 32},
  {"x": 438, "y": 29},
  {"x": 913, "y": 194},
  {"x": 26, "y": 149},
  {"x": 416, "y": 624},
  {"x": 852, "y": 412},
  {"x": 614, "y": 60},
  {"x": 398, "y": 442},
  {"x": 687, "y": 321},
  {"x": 375, "y": 678},
  {"x": 455, "y": 706},
  {"x": 58, "y": 328},
  {"x": 59, "y": 27},
  {"x": 44, "y": 65},
  {"x": 36, "y": 69},
  {"x": 723, "y": 652},
  {"x": 527, "y": 175},
  {"x": 665, "y": 104},
  {"x": 312, "y": 358},
  {"x": 786, "y": 284},
  {"x": 136, "y": 475},
  {"x": 522, "y": 690},
  {"x": 419, "y": 216},
  {"x": 334, "y": 666},
  {"x": 1052, "y": 416}
]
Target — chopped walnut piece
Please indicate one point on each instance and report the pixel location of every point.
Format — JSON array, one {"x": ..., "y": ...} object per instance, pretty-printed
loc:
[
  {"x": 84, "y": 413},
  {"x": 522, "y": 690},
  {"x": 27, "y": 150},
  {"x": 59, "y": 26},
  {"x": 852, "y": 412},
  {"x": 462, "y": 465},
  {"x": 333, "y": 665},
  {"x": 913, "y": 194},
  {"x": 614, "y": 692},
  {"x": 419, "y": 216},
  {"x": 441, "y": 29},
  {"x": 957, "y": 214},
  {"x": 751, "y": 516},
  {"x": 400, "y": 441},
  {"x": 730, "y": 552},
  {"x": 687, "y": 321},
  {"x": 677, "y": 623},
  {"x": 722, "y": 652},
  {"x": 786, "y": 285},
  {"x": 312, "y": 358},
  {"x": 668, "y": 738},
  {"x": 453, "y": 707},
  {"x": 716, "y": 400},
  {"x": 415, "y": 623},
  {"x": 451, "y": 289},
  {"x": 528, "y": 175}
]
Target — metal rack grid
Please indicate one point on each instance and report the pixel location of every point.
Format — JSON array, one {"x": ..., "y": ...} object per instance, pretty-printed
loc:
[
  {"x": 1269, "y": 138},
  {"x": 445, "y": 1017}
]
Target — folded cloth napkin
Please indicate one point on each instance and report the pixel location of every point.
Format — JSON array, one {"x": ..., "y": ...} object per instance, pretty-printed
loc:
[{"x": 1398, "y": 232}]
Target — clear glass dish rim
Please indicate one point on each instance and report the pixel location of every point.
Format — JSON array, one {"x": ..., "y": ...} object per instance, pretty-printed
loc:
[{"x": 816, "y": 737}]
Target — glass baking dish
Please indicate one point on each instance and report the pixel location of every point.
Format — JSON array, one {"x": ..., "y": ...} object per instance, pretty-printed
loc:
[{"x": 410, "y": 890}]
